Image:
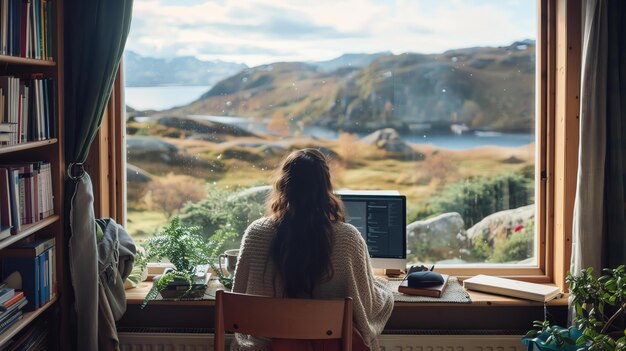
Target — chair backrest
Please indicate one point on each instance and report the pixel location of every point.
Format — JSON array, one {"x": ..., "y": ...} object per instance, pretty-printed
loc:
[{"x": 278, "y": 318}]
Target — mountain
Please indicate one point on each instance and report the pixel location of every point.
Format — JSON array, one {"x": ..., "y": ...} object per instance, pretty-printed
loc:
[
  {"x": 349, "y": 60},
  {"x": 484, "y": 87},
  {"x": 184, "y": 70}
]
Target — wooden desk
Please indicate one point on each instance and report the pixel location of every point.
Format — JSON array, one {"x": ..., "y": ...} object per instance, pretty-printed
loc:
[{"x": 486, "y": 312}]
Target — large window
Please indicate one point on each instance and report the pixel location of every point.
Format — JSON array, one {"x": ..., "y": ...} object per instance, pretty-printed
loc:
[{"x": 435, "y": 99}]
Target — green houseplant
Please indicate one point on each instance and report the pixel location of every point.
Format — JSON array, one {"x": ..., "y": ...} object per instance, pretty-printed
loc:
[
  {"x": 186, "y": 249},
  {"x": 598, "y": 303}
]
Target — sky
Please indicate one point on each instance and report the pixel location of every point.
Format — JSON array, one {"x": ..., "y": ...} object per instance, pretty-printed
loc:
[{"x": 258, "y": 32}]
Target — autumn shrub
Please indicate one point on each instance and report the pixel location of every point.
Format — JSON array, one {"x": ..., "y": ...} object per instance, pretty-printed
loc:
[
  {"x": 349, "y": 149},
  {"x": 168, "y": 194}
]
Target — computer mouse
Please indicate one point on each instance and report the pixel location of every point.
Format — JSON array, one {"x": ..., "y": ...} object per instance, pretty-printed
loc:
[{"x": 424, "y": 279}]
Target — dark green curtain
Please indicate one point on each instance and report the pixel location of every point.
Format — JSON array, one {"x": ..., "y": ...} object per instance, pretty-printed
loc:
[
  {"x": 614, "y": 242},
  {"x": 95, "y": 33}
]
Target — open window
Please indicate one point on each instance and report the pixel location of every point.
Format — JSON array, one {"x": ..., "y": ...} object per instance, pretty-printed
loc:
[{"x": 418, "y": 97}]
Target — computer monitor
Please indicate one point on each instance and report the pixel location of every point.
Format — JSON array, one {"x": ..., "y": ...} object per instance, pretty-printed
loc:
[{"x": 381, "y": 220}]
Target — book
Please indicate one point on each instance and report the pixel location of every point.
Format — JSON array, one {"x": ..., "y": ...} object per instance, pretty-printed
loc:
[
  {"x": 7, "y": 137},
  {"x": 5, "y": 200},
  {"x": 44, "y": 276},
  {"x": 6, "y": 127},
  {"x": 513, "y": 288},
  {"x": 16, "y": 297},
  {"x": 6, "y": 294},
  {"x": 431, "y": 291},
  {"x": 28, "y": 249},
  {"x": 13, "y": 198}
]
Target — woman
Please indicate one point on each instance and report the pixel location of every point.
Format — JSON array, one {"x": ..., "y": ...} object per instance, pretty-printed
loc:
[{"x": 304, "y": 249}]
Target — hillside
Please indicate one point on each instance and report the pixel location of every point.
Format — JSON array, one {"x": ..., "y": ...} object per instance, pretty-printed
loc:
[{"x": 485, "y": 88}]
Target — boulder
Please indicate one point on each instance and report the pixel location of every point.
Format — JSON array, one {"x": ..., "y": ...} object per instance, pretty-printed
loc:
[
  {"x": 437, "y": 238},
  {"x": 387, "y": 139},
  {"x": 135, "y": 174},
  {"x": 498, "y": 226}
]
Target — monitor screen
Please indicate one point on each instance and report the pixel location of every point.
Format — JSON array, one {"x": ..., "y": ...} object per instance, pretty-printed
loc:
[{"x": 381, "y": 220}]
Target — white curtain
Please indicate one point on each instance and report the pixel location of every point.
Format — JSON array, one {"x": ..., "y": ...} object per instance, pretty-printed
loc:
[{"x": 587, "y": 227}]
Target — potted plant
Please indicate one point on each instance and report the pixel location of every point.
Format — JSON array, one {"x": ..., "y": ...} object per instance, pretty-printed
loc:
[
  {"x": 186, "y": 249},
  {"x": 593, "y": 328}
]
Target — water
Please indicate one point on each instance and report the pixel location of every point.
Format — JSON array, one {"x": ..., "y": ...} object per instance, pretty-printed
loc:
[
  {"x": 163, "y": 97},
  {"x": 447, "y": 141}
]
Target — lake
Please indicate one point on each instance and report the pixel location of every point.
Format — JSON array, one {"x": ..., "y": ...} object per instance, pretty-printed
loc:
[{"x": 165, "y": 97}]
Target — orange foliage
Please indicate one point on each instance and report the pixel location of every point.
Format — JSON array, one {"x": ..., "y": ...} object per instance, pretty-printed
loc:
[
  {"x": 279, "y": 124},
  {"x": 348, "y": 148}
]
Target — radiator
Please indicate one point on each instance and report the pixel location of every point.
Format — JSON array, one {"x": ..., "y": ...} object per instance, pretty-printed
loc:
[{"x": 162, "y": 341}]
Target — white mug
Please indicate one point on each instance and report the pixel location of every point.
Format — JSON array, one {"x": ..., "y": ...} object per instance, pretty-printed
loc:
[{"x": 230, "y": 259}]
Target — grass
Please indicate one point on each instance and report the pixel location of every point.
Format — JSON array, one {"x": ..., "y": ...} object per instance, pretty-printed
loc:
[{"x": 142, "y": 224}]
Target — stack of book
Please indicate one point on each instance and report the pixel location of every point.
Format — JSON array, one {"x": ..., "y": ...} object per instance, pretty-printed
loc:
[
  {"x": 25, "y": 195},
  {"x": 35, "y": 263},
  {"x": 26, "y": 109},
  {"x": 11, "y": 304}
]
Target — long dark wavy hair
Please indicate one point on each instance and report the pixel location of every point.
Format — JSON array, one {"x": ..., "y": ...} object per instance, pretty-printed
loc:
[{"x": 304, "y": 207}]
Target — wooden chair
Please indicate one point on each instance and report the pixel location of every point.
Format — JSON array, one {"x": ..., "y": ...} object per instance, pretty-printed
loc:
[{"x": 277, "y": 318}]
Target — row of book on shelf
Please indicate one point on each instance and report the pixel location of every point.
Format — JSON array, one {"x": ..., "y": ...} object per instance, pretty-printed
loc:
[
  {"x": 26, "y": 28},
  {"x": 32, "y": 338},
  {"x": 29, "y": 279},
  {"x": 27, "y": 108},
  {"x": 25, "y": 195}
]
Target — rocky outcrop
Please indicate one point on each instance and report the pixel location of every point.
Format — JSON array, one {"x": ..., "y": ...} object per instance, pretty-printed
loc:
[
  {"x": 157, "y": 156},
  {"x": 437, "y": 238},
  {"x": 497, "y": 227},
  {"x": 200, "y": 127},
  {"x": 150, "y": 144}
]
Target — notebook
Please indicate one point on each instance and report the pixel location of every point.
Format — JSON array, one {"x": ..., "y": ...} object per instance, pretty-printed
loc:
[
  {"x": 513, "y": 288},
  {"x": 431, "y": 291}
]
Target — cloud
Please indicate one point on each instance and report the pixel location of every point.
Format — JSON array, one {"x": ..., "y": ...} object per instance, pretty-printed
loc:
[{"x": 263, "y": 31}]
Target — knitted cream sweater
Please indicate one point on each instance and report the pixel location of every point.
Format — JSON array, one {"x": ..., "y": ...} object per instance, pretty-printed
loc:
[{"x": 352, "y": 276}]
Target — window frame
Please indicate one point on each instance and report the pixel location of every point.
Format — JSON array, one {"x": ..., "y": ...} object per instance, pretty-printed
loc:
[{"x": 557, "y": 108}]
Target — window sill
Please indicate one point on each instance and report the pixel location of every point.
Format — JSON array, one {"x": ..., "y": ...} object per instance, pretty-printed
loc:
[
  {"x": 487, "y": 312},
  {"x": 136, "y": 296}
]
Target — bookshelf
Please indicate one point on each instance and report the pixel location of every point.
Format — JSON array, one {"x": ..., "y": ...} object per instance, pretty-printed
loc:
[{"x": 42, "y": 62}]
